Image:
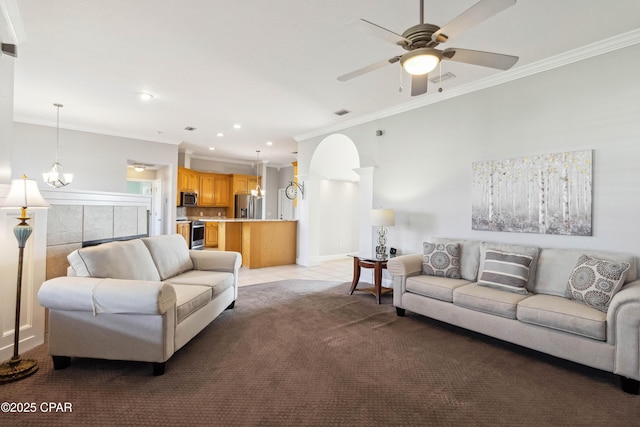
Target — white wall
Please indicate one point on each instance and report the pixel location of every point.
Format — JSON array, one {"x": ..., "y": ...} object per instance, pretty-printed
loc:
[
  {"x": 98, "y": 162},
  {"x": 6, "y": 114},
  {"x": 423, "y": 160}
]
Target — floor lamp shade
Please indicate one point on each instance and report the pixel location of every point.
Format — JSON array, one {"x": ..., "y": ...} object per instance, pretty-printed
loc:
[
  {"x": 382, "y": 218},
  {"x": 23, "y": 194}
]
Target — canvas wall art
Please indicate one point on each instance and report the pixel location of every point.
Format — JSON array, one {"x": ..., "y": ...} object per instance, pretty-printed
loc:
[{"x": 549, "y": 194}]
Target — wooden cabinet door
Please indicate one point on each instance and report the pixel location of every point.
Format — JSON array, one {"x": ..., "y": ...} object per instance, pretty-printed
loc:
[
  {"x": 184, "y": 229},
  {"x": 240, "y": 184},
  {"x": 206, "y": 194},
  {"x": 221, "y": 191},
  {"x": 211, "y": 234}
]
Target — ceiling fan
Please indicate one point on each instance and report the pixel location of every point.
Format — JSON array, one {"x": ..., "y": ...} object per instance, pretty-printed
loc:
[{"x": 420, "y": 42}]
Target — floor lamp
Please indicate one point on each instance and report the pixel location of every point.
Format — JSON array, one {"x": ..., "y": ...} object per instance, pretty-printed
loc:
[{"x": 24, "y": 194}]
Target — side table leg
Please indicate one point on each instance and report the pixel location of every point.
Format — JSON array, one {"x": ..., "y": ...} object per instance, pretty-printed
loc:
[
  {"x": 356, "y": 274},
  {"x": 378, "y": 281}
]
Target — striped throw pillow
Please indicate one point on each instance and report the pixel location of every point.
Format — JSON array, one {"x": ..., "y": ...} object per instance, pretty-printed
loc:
[{"x": 506, "y": 271}]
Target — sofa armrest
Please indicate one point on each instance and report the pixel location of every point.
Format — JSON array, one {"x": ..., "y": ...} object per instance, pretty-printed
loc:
[
  {"x": 623, "y": 330},
  {"x": 216, "y": 260},
  {"x": 107, "y": 295},
  {"x": 400, "y": 268},
  {"x": 405, "y": 265}
]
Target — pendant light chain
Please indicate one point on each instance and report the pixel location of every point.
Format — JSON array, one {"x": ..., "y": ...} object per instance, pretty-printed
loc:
[
  {"x": 58, "y": 130},
  {"x": 56, "y": 177}
]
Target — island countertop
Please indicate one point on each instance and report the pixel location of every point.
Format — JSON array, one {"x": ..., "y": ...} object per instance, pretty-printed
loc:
[{"x": 224, "y": 219}]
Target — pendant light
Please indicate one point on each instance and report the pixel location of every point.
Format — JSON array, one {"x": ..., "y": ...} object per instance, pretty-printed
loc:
[
  {"x": 56, "y": 176},
  {"x": 259, "y": 192}
]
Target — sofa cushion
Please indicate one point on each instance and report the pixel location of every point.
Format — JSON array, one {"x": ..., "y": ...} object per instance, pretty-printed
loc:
[
  {"x": 217, "y": 281},
  {"x": 170, "y": 254},
  {"x": 556, "y": 265},
  {"x": 441, "y": 259},
  {"x": 469, "y": 256},
  {"x": 531, "y": 251},
  {"x": 595, "y": 281},
  {"x": 505, "y": 271},
  {"x": 190, "y": 299},
  {"x": 564, "y": 315},
  {"x": 434, "y": 287},
  {"x": 117, "y": 260},
  {"x": 487, "y": 300}
]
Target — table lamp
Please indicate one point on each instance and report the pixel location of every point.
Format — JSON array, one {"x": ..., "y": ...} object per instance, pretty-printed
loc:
[
  {"x": 23, "y": 194},
  {"x": 382, "y": 218}
]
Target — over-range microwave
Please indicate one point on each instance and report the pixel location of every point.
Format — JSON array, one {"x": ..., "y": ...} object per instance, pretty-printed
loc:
[{"x": 188, "y": 198}]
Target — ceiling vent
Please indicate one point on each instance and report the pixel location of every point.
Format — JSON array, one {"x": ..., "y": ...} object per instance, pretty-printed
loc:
[
  {"x": 341, "y": 112},
  {"x": 445, "y": 76}
]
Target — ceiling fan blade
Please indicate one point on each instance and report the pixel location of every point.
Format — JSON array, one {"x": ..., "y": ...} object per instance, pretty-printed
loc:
[
  {"x": 368, "y": 68},
  {"x": 10, "y": 49},
  {"x": 484, "y": 59},
  {"x": 419, "y": 84},
  {"x": 477, "y": 13},
  {"x": 379, "y": 32}
]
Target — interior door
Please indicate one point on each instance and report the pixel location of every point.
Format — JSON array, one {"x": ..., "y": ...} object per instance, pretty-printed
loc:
[{"x": 285, "y": 206}]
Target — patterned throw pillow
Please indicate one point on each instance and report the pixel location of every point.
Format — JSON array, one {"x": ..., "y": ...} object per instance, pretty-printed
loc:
[
  {"x": 505, "y": 271},
  {"x": 441, "y": 259},
  {"x": 594, "y": 282}
]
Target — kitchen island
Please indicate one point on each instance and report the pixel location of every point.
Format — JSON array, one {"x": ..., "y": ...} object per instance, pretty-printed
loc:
[{"x": 262, "y": 243}]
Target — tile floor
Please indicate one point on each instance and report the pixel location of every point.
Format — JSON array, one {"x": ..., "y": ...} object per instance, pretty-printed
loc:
[{"x": 340, "y": 270}]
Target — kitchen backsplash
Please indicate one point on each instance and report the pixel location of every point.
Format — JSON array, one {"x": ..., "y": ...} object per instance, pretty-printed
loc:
[{"x": 200, "y": 211}]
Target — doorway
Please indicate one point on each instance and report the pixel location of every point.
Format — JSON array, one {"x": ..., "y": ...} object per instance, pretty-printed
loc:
[{"x": 153, "y": 188}]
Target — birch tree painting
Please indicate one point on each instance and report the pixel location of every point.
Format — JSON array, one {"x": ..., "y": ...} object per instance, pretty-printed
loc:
[{"x": 548, "y": 194}]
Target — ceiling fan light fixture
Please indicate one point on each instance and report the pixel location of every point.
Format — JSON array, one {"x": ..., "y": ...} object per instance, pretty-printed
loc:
[{"x": 421, "y": 61}]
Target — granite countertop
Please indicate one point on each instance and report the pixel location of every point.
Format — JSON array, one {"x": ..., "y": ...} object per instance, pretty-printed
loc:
[{"x": 224, "y": 219}]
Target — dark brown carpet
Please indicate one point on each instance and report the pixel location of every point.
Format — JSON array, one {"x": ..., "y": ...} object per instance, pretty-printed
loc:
[{"x": 306, "y": 353}]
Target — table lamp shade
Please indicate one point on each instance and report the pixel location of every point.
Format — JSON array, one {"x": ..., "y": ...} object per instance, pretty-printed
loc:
[
  {"x": 382, "y": 217},
  {"x": 24, "y": 193}
]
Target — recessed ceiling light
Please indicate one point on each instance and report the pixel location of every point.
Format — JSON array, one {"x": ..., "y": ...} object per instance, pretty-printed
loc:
[
  {"x": 237, "y": 126},
  {"x": 212, "y": 148},
  {"x": 269, "y": 143},
  {"x": 146, "y": 96},
  {"x": 220, "y": 134}
]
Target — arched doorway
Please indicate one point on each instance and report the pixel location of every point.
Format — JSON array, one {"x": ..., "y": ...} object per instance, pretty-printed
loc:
[{"x": 330, "y": 214}]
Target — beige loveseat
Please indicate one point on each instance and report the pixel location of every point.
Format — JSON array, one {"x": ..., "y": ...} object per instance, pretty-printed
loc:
[
  {"x": 594, "y": 321},
  {"x": 138, "y": 300}
]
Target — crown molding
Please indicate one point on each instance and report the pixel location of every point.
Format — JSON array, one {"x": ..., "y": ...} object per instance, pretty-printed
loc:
[
  {"x": 585, "y": 52},
  {"x": 13, "y": 22}
]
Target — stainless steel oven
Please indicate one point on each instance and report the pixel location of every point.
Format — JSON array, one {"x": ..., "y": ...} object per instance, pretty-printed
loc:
[{"x": 197, "y": 234}]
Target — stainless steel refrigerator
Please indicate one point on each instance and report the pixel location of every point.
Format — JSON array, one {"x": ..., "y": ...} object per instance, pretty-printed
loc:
[{"x": 248, "y": 206}]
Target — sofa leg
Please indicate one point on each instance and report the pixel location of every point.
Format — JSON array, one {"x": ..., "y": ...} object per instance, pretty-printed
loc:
[
  {"x": 629, "y": 385},
  {"x": 400, "y": 311},
  {"x": 61, "y": 362},
  {"x": 158, "y": 368},
  {"x": 233, "y": 304}
]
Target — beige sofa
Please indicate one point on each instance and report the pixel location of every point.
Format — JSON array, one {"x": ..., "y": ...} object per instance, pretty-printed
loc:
[
  {"x": 138, "y": 300},
  {"x": 541, "y": 311}
]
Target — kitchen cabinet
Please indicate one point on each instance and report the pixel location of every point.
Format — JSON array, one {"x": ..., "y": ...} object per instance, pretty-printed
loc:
[
  {"x": 214, "y": 190},
  {"x": 243, "y": 184},
  {"x": 187, "y": 181},
  {"x": 184, "y": 229},
  {"x": 211, "y": 234},
  {"x": 221, "y": 193},
  {"x": 206, "y": 190}
]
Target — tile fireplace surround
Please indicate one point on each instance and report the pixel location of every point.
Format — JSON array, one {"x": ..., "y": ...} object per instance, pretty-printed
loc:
[{"x": 68, "y": 226}]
